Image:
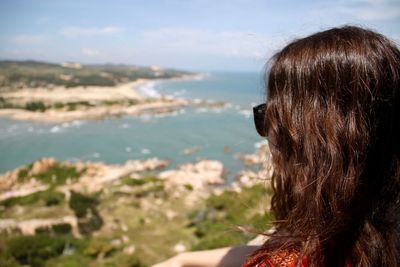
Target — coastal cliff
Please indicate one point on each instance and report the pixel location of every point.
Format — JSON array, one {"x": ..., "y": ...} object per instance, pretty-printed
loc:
[{"x": 139, "y": 212}]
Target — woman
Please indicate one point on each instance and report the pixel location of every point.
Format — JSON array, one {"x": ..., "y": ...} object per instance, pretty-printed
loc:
[{"x": 332, "y": 121}]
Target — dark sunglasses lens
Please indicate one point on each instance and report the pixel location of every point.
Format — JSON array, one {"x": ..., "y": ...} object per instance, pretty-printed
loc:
[{"x": 259, "y": 119}]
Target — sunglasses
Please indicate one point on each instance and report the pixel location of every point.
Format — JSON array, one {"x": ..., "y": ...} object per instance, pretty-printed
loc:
[{"x": 259, "y": 119}]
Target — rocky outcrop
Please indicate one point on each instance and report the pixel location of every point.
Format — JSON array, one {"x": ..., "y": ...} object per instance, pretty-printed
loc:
[
  {"x": 259, "y": 169},
  {"x": 198, "y": 178},
  {"x": 198, "y": 175},
  {"x": 99, "y": 174},
  {"x": 42, "y": 165}
]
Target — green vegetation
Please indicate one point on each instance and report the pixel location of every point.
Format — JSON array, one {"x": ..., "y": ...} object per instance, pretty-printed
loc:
[
  {"x": 17, "y": 74},
  {"x": 81, "y": 204},
  {"x": 57, "y": 174},
  {"x": 24, "y": 172},
  {"x": 85, "y": 208},
  {"x": 39, "y": 106},
  {"x": 5, "y": 104},
  {"x": 216, "y": 225},
  {"x": 189, "y": 187},
  {"x": 145, "y": 186},
  {"x": 48, "y": 197},
  {"x": 36, "y": 250},
  {"x": 140, "y": 181},
  {"x": 73, "y": 105},
  {"x": 62, "y": 229},
  {"x": 129, "y": 102},
  {"x": 35, "y": 106},
  {"x": 56, "y": 229}
]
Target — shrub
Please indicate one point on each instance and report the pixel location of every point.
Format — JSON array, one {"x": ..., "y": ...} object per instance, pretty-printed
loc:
[
  {"x": 93, "y": 223},
  {"x": 8, "y": 262},
  {"x": 62, "y": 228},
  {"x": 81, "y": 204},
  {"x": 5, "y": 104},
  {"x": 35, "y": 106},
  {"x": 53, "y": 198},
  {"x": 217, "y": 225},
  {"x": 49, "y": 197},
  {"x": 99, "y": 246},
  {"x": 157, "y": 190},
  {"x": 43, "y": 230},
  {"x": 56, "y": 229},
  {"x": 84, "y": 208},
  {"x": 141, "y": 181},
  {"x": 58, "y": 105},
  {"x": 58, "y": 174},
  {"x": 135, "y": 262},
  {"x": 189, "y": 187},
  {"x": 23, "y": 173},
  {"x": 35, "y": 250}
]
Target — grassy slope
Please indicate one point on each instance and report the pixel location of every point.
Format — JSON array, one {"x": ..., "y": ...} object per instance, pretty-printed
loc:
[{"x": 135, "y": 218}]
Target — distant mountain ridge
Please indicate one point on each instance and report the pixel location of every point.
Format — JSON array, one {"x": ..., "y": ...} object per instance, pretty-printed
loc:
[{"x": 30, "y": 73}]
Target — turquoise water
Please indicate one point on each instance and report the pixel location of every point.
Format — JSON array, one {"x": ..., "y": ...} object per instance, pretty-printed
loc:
[{"x": 211, "y": 133}]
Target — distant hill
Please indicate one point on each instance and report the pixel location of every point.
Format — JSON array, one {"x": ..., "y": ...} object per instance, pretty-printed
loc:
[{"x": 19, "y": 74}]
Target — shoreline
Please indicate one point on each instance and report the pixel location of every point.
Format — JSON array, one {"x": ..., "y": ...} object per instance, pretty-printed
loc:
[{"x": 107, "y": 102}]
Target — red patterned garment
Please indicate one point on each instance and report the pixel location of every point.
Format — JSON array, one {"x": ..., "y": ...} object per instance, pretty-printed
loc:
[{"x": 285, "y": 258}]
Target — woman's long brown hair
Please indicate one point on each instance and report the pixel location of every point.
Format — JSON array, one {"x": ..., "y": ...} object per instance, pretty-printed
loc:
[{"x": 333, "y": 116}]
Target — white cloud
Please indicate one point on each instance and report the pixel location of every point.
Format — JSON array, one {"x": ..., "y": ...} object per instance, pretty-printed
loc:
[
  {"x": 234, "y": 44},
  {"x": 79, "y": 31},
  {"x": 28, "y": 39}
]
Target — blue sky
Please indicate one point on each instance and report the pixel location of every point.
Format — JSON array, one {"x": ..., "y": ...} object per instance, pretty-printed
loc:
[{"x": 191, "y": 34}]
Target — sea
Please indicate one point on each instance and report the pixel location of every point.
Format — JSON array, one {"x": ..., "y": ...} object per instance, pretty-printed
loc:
[{"x": 187, "y": 135}]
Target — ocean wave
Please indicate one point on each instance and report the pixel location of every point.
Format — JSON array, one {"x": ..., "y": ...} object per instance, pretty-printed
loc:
[
  {"x": 145, "y": 151},
  {"x": 61, "y": 127},
  {"x": 74, "y": 124},
  {"x": 55, "y": 129},
  {"x": 245, "y": 112},
  {"x": 148, "y": 89},
  {"x": 12, "y": 128},
  {"x": 124, "y": 126},
  {"x": 96, "y": 155},
  {"x": 201, "y": 110}
]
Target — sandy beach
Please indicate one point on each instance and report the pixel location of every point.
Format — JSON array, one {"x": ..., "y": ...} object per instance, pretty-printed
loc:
[
  {"x": 80, "y": 93},
  {"x": 104, "y": 102}
]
